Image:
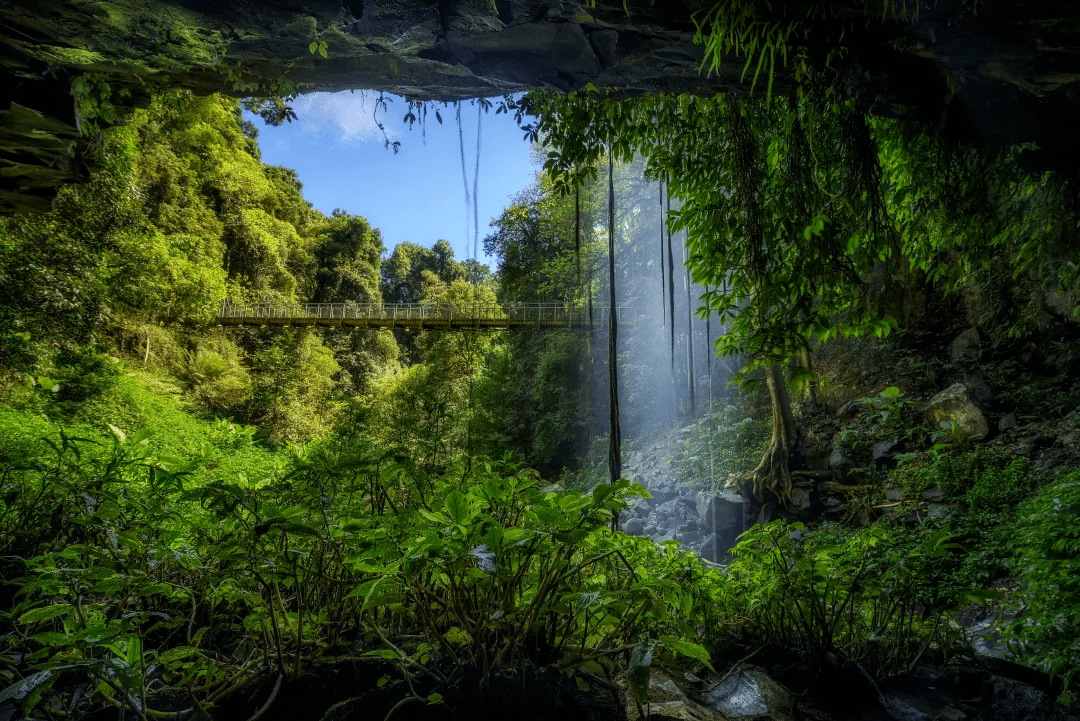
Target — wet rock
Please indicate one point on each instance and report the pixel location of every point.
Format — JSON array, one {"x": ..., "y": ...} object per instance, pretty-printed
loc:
[
  {"x": 1007, "y": 421},
  {"x": 800, "y": 500},
  {"x": 840, "y": 459},
  {"x": 666, "y": 701},
  {"x": 978, "y": 387},
  {"x": 932, "y": 494},
  {"x": 937, "y": 510},
  {"x": 723, "y": 510},
  {"x": 894, "y": 494},
  {"x": 634, "y": 527},
  {"x": 965, "y": 346},
  {"x": 749, "y": 694},
  {"x": 884, "y": 454},
  {"x": 850, "y": 410},
  {"x": 956, "y": 404}
]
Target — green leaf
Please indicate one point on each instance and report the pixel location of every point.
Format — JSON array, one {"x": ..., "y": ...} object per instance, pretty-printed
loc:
[
  {"x": 322, "y": 48},
  {"x": 457, "y": 507},
  {"x": 21, "y": 689},
  {"x": 45, "y": 613},
  {"x": 640, "y": 671},
  {"x": 313, "y": 47},
  {"x": 434, "y": 698},
  {"x": 688, "y": 648},
  {"x": 176, "y": 654},
  {"x": 51, "y": 638}
]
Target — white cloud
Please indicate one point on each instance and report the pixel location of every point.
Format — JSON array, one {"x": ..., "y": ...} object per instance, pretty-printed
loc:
[{"x": 348, "y": 115}]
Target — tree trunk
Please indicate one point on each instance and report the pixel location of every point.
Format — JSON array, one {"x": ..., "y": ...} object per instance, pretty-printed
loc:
[
  {"x": 615, "y": 441},
  {"x": 773, "y": 473}
]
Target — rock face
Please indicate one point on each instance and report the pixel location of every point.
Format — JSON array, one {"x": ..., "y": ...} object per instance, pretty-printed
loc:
[
  {"x": 955, "y": 403},
  {"x": 747, "y": 694},
  {"x": 990, "y": 73},
  {"x": 966, "y": 345}
]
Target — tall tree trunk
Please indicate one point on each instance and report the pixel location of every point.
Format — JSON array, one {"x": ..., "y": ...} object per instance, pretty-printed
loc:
[
  {"x": 773, "y": 474},
  {"x": 689, "y": 332},
  {"x": 577, "y": 232},
  {"x": 663, "y": 278},
  {"x": 671, "y": 279},
  {"x": 615, "y": 441}
]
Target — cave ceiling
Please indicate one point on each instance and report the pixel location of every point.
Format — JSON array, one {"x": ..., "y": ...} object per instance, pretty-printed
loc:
[{"x": 987, "y": 73}]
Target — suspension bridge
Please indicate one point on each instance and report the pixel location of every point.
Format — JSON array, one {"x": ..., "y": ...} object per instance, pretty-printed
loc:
[{"x": 491, "y": 316}]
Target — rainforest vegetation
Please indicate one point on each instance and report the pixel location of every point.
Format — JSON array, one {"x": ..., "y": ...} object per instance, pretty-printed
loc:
[{"x": 194, "y": 517}]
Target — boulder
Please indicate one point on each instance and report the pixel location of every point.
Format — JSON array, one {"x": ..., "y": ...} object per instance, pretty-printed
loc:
[
  {"x": 850, "y": 410},
  {"x": 723, "y": 510},
  {"x": 884, "y": 454},
  {"x": 634, "y": 527},
  {"x": 978, "y": 387},
  {"x": 800, "y": 500},
  {"x": 956, "y": 404},
  {"x": 1007, "y": 421},
  {"x": 749, "y": 694},
  {"x": 965, "y": 346},
  {"x": 840, "y": 459},
  {"x": 666, "y": 701}
]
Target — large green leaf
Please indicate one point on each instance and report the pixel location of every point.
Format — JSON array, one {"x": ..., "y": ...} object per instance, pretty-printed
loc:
[
  {"x": 640, "y": 670},
  {"x": 457, "y": 507},
  {"x": 44, "y": 613},
  {"x": 688, "y": 648}
]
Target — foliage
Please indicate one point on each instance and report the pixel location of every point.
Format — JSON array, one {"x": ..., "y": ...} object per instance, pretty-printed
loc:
[
  {"x": 996, "y": 489},
  {"x": 498, "y": 572},
  {"x": 217, "y": 381},
  {"x": 292, "y": 386},
  {"x": 853, "y": 595},
  {"x": 1046, "y": 632},
  {"x": 86, "y": 374},
  {"x": 764, "y": 31},
  {"x": 403, "y": 273},
  {"x": 721, "y": 448},
  {"x": 140, "y": 581}
]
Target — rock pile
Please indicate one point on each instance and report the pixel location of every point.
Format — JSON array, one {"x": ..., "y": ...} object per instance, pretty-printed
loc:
[{"x": 700, "y": 520}]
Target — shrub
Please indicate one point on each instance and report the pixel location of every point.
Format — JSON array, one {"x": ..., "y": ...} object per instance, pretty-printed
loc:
[
  {"x": 999, "y": 488},
  {"x": 867, "y": 597},
  {"x": 1046, "y": 632},
  {"x": 87, "y": 374},
  {"x": 217, "y": 381},
  {"x": 728, "y": 445}
]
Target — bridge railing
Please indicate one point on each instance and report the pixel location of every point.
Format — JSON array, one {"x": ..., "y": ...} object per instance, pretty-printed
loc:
[{"x": 448, "y": 313}]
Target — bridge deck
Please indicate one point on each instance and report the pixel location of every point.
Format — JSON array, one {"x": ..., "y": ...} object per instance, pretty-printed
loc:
[{"x": 552, "y": 316}]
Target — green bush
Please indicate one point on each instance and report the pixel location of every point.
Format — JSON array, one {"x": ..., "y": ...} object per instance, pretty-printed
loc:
[
  {"x": 728, "y": 445},
  {"x": 867, "y": 597},
  {"x": 999, "y": 488},
  {"x": 218, "y": 383},
  {"x": 986, "y": 478},
  {"x": 1046, "y": 632},
  {"x": 87, "y": 374},
  {"x": 920, "y": 471}
]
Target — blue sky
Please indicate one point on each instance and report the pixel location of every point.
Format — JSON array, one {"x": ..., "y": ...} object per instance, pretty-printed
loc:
[{"x": 416, "y": 195}]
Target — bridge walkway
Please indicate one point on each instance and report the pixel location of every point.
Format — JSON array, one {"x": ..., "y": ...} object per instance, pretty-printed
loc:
[{"x": 491, "y": 316}]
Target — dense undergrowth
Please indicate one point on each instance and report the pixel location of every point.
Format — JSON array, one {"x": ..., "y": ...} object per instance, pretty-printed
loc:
[{"x": 133, "y": 571}]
